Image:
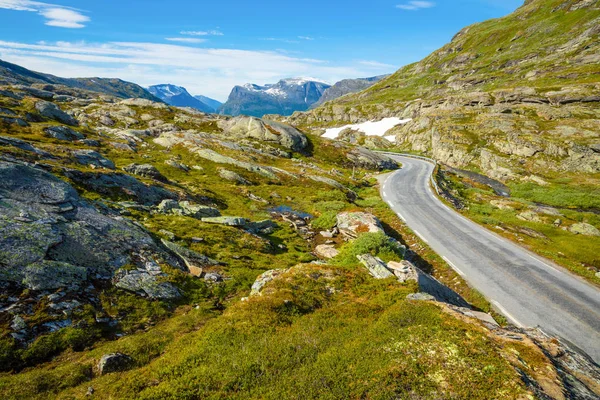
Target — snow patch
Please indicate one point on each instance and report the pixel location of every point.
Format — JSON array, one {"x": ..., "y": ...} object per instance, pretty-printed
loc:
[
  {"x": 369, "y": 128},
  {"x": 390, "y": 138}
]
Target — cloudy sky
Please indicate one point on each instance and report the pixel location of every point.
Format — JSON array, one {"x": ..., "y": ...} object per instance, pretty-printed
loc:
[{"x": 210, "y": 46}]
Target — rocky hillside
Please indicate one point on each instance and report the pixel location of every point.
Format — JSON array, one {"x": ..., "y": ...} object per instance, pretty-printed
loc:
[
  {"x": 514, "y": 100},
  {"x": 283, "y": 98},
  {"x": 149, "y": 251},
  {"x": 347, "y": 86},
  {"x": 12, "y": 74},
  {"x": 179, "y": 97}
]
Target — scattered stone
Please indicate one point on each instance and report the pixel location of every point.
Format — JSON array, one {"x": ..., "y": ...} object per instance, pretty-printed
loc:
[
  {"x": 168, "y": 234},
  {"x": 23, "y": 145},
  {"x": 18, "y": 323},
  {"x": 404, "y": 271},
  {"x": 145, "y": 282},
  {"x": 352, "y": 224},
  {"x": 114, "y": 362},
  {"x": 178, "y": 165},
  {"x": 63, "y": 133},
  {"x": 93, "y": 158},
  {"x": 530, "y": 216},
  {"x": 326, "y": 234},
  {"x": 375, "y": 265},
  {"x": 326, "y": 251},
  {"x": 213, "y": 277}
]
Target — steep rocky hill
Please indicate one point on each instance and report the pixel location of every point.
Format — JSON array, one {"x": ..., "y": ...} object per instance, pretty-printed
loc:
[
  {"x": 12, "y": 74},
  {"x": 212, "y": 103},
  {"x": 347, "y": 86},
  {"x": 516, "y": 100},
  {"x": 150, "y": 251},
  {"x": 179, "y": 97},
  {"x": 283, "y": 98}
]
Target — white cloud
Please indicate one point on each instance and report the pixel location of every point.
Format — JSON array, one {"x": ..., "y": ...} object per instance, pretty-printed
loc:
[
  {"x": 376, "y": 64},
  {"x": 185, "y": 40},
  {"x": 202, "y": 33},
  {"x": 416, "y": 5},
  {"x": 56, "y": 15},
  {"x": 306, "y": 38},
  {"x": 209, "y": 71}
]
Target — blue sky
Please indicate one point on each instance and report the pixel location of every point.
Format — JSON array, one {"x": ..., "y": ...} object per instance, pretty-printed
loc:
[{"x": 210, "y": 46}]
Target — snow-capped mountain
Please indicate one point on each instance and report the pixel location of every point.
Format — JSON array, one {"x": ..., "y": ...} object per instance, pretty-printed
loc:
[
  {"x": 178, "y": 96},
  {"x": 283, "y": 97},
  {"x": 347, "y": 86}
]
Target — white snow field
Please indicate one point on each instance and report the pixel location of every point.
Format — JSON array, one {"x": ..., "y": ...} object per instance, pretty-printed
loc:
[{"x": 369, "y": 128}]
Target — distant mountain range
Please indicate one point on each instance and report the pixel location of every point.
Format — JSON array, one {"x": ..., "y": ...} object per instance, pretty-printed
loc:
[
  {"x": 178, "y": 96},
  {"x": 347, "y": 86},
  {"x": 283, "y": 97},
  {"x": 12, "y": 74}
]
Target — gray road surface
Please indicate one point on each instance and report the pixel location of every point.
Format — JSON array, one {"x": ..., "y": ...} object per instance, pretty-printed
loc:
[{"x": 528, "y": 290}]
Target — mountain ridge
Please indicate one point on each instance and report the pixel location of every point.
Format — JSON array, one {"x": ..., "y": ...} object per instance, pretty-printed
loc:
[{"x": 178, "y": 96}]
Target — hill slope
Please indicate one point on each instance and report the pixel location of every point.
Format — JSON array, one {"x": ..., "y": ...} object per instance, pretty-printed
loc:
[
  {"x": 212, "y": 103},
  {"x": 12, "y": 74},
  {"x": 515, "y": 99},
  {"x": 347, "y": 86}
]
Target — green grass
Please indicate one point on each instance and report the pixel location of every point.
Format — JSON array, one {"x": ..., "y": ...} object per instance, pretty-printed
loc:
[
  {"x": 559, "y": 195},
  {"x": 323, "y": 333}
]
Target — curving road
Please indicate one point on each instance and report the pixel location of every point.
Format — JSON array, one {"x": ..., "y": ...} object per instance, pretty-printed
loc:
[{"x": 528, "y": 290}]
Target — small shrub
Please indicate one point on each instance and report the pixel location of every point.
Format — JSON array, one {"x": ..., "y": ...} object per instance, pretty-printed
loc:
[{"x": 378, "y": 244}]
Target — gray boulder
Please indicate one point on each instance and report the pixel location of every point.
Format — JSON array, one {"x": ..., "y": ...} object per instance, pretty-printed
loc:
[
  {"x": 93, "y": 158},
  {"x": 404, "y": 270},
  {"x": 52, "y": 111},
  {"x": 250, "y": 127},
  {"x": 194, "y": 261},
  {"x": 146, "y": 282},
  {"x": 114, "y": 362},
  {"x": 51, "y": 275},
  {"x": 326, "y": 251},
  {"x": 63, "y": 133},
  {"x": 23, "y": 145},
  {"x": 581, "y": 228}
]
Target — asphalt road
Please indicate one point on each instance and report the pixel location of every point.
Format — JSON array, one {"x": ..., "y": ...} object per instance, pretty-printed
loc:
[{"x": 528, "y": 290}]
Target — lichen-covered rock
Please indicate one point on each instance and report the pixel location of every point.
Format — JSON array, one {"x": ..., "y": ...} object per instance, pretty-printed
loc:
[
  {"x": 122, "y": 184},
  {"x": 23, "y": 145},
  {"x": 187, "y": 209},
  {"x": 254, "y": 128},
  {"x": 92, "y": 157},
  {"x": 352, "y": 224},
  {"x": 63, "y": 133},
  {"x": 229, "y": 221},
  {"x": 233, "y": 177},
  {"x": 404, "y": 270},
  {"x": 265, "y": 278},
  {"x": 582, "y": 228},
  {"x": 49, "y": 275},
  {"x": 145, "y": 170},
  {"x": 52, "y": 111},
  {"x": 114, "y": 362},
  {"x": 146, "y": 282},
  {"x": 375, "y": 265},
  {"x": 326, "y": 251}
]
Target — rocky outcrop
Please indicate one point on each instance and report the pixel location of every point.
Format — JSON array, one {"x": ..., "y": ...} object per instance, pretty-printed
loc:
[
  {"x": 93, "y": 158},
  {"x": 233, "y": 177},
  {"x": 146, "y": 282},
  {"x": 50, "y": 238},
  {"x": 375, "y": 265},
  {"x": 363, "y": 158},
  {"x": 228, "y": 221},
  {"x": 274, "y": 132},
  {"x": 146, "y": 171},
  {"x": 352, "y": 224},
  {"x": 52, "y": 111},
  {"x": 195, "y": 262},
  {"x": 63, "y": 133}
]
